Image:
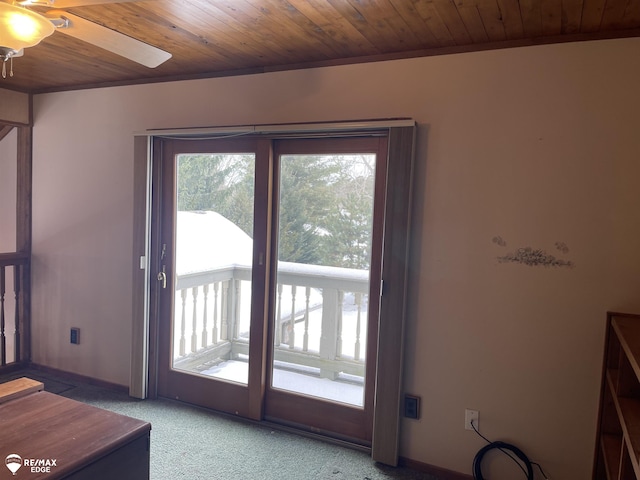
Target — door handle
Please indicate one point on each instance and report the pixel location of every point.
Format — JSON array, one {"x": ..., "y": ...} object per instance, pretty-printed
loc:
[{"x": 162, "y": 277}]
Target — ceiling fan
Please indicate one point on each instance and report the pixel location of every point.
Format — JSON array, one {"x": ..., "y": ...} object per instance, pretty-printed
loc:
[{"x": 21, "y": 27}]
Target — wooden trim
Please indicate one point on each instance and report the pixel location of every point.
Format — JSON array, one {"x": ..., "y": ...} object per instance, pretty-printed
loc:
[
  {"x": 155, "y": 233},
  {"x": 7, "y": 259},
  {"x": 138, "y": 380},
  {"x": 5, "y": 130},
  {"x": 377, "y": 259},
  {"x": 386, "y": 423},
  {"x": 288, "y": 131},
  {"x": 441, "y": 473},
  {"x": 13, "y": 367},
  {"x": 15, "y": 107},
  {"x": 260, "y": 279},
  {"x": 24, "y": 195},
  {"x": 76, "y": 377},
  {"x": 382, "y": 57},
  {"x": 24, "y": 190}
]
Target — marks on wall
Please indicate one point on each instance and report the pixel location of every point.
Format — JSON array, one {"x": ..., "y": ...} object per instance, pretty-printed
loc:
[
  {"x": 562, "y": 247},
  {"x": 499, "y": 241},
  {"x": 534, "y": 257}
]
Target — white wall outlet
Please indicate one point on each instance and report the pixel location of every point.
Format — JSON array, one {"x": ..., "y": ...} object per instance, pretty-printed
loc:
[{"x": 471, "y": 416}]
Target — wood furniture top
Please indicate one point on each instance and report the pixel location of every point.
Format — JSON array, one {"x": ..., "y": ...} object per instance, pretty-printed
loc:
[
  {"x": 50, "y": 427},
  {"x": 19, "y": 388}
]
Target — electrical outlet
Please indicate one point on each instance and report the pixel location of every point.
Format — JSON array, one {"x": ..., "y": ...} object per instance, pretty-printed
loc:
[
  {"x": 75, "y": 336},
  {"x": 471, "y": 416},
  {"x": 411, "y": 406}
]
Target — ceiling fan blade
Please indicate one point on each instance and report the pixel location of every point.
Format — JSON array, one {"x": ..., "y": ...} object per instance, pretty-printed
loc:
[
  {"x": 110, "y": 40},
  {"x": 66, "y": 3},
  {"x": 85, "y": 3}
]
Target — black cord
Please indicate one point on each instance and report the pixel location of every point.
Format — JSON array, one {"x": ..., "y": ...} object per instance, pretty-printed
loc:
[
  {"x": 503, "y": 447},
  {"x": 541, "y": 470},
  {"x": 499, "y": 447},
  {"x": 525, "y": 464}
]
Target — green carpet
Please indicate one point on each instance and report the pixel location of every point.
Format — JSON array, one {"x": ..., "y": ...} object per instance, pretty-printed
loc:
[{"x": 196, "y": 444}]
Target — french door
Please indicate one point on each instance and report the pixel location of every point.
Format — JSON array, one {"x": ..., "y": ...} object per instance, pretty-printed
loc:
[
  {"x": 331, "y": 302},
  {"x": 268, "y": 255}
]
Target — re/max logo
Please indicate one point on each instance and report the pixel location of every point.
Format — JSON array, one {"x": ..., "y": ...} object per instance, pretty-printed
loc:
[
  {"x": 40, "y": 462},
  {"x": 35, "y": 465}
]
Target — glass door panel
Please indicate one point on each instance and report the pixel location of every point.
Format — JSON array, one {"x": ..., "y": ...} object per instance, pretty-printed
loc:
[
  {"x": 322, "y": 294},
  {"x": 214, "y": 249},
  {"x": 210, "y": 226}
]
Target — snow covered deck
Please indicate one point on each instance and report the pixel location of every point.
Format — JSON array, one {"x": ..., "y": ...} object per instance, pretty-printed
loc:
[{"x": 321, "y": 316}]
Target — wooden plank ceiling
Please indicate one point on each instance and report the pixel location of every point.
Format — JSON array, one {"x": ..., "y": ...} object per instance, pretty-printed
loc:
[{"x": 229, "y": 37}]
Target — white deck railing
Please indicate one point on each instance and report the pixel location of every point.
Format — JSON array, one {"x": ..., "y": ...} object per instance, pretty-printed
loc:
[
  {"x": 321, "y": 317},
  {"x": 14, "y": 268}
]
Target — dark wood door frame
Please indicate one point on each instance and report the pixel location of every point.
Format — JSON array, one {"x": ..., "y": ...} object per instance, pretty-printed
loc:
[
  {"x": 243, "y": 400},
  {"x": 386, "y": 420},
  {"x": 20, "y": 260},
  {"x": 310, "y": 413}
]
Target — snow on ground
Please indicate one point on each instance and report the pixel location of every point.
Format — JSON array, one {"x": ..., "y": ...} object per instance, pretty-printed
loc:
[{"x": 294, "y": 382}]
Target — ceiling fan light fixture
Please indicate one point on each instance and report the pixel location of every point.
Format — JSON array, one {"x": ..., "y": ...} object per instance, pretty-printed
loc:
[
  {"x": 39, "y": 3},
  {"x": 22, "y": 28}
]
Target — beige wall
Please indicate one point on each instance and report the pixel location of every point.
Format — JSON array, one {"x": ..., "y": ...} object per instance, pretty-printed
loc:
[
  {"x": 535, "y": 145},
  {"x": 8, "y": 171}
]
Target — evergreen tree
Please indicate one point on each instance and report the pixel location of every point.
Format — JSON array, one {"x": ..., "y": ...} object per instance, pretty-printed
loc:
[
  {"x": 218, "y": 182},
  {"x": 306, "y": 200},
  {"x": 326, "y": 202},
  {"x": 350, "y": 222}
]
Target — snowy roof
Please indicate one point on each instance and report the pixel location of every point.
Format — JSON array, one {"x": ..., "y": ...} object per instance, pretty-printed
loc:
[{"x": 208, "y": 241}]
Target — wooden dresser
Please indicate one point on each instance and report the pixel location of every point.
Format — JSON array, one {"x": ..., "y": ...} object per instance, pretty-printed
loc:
[{"x": 58, "y": 438}]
